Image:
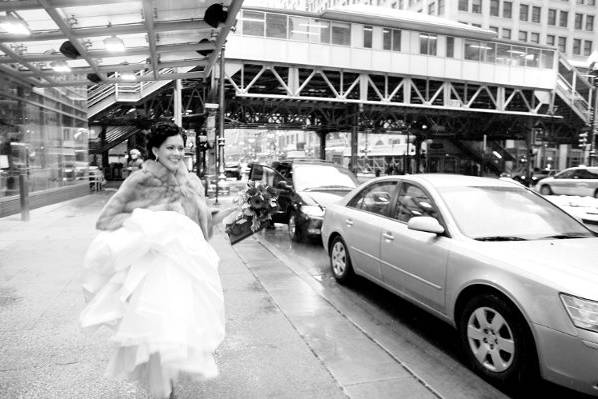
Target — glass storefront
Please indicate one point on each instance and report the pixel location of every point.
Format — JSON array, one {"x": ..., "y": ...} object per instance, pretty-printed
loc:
[{"x": 43, "y": 135}]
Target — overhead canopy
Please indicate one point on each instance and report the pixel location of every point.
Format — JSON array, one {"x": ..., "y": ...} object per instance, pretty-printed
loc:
[{"x": 75, "y": 42}]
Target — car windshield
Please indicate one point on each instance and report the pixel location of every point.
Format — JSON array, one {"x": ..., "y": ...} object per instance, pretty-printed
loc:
[
  {"x": 306, "y": 177},
  {"x": 508, "y": 214}
]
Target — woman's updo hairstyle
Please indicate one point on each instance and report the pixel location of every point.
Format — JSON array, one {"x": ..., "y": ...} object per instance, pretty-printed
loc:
[{"x": 158, "y": 134}]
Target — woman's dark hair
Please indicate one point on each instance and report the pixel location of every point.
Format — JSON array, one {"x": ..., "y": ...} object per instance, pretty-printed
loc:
[{"x": 158, "y": 134}]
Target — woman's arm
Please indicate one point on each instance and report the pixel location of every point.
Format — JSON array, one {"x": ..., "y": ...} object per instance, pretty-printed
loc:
[{"x": 114, "y": 213}]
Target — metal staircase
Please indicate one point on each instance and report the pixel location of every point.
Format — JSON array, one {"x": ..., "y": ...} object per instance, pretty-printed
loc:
[
  {"x": 102, "y": 96},
  {"x": 574, "y": 89}
]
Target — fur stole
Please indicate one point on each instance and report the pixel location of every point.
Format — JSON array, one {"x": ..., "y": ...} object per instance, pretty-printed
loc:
[{"x": 156, "y": 188}]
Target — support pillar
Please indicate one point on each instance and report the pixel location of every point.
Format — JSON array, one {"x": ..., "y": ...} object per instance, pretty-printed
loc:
[
  {"x": 354, "y": 137},
  {"x": 104, "y": 153},
  {"x": 323, "y": 135},
  {"x": 178, "y": 103}
]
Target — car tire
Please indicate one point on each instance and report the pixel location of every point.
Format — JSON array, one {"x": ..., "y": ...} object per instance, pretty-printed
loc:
[
  {"x": 296, "y": 232},
  {"x": 497, "y": 342},
  {"x": 545, "y": 190},
  {"x": 340, "y": 262}
]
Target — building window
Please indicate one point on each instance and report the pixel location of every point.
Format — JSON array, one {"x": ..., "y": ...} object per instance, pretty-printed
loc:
[
  {"x": 564, "y": 15},
  {"x": 536, "y": 14},
  {"x": 507, "y": 9},
  {"x": 551, "y": 16},
  {"x": 476, "y": 6},
  {"x": 463, "y": 5},
  {"x": 367, "y": 36},
  {"x": 450, "y": 47},
  {"x": 253, "y": 23},
  {"x": 587, "y": 47},
  {"x": 522, "y": 36},
  {"x": 276, "y": 26},
  {"x": 391, "y": 39},
  {"x": 494, "y": 28},
  {"x": 341, "y": 33},
  {"x": 494, "y": 5},
  {"x": 535, "y": 37},
  {"x": 523, "y": 12},
  {"x": 396, "y": 40},
  {"x": 431, "y": 8},
  {"x": 386, "y": 39},
  {"x": 576, "y": 46},
  {"x": 550, "y": 40},
  {"x": 562, "y": 44},
  {"x": 440, "y": 7},
  {"x": 427, "y": 43},
  {"x": 506, "y": 33},
  {"x": 578, "y": 21},
  {"x": 589, "y": 22}
]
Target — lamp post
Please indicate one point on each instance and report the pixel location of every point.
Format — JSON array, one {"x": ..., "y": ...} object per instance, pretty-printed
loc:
[{"x": 593, "y": 116}]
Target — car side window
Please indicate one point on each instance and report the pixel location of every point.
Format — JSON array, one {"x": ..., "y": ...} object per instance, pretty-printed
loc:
[
  {"x": 567, "y": 174},
  {"x": 376, "y": 198},
  {"x": 585, "y": 174},
  {"x": 413, "y": 201}
]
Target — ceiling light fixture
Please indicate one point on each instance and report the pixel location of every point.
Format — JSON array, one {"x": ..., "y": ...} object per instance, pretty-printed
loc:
[
  {"x": 14, "y": 26},
  {"x": 114, "y": 44},
  {"x": 60, "y": 66},
  {"x": 127, "y": 76}
]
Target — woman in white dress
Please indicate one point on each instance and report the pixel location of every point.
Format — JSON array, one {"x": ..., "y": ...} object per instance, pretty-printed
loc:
[{"x": 151, "y": 274}]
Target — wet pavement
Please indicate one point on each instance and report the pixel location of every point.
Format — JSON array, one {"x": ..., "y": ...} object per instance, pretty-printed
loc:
[{"x": 292, "y": 331}]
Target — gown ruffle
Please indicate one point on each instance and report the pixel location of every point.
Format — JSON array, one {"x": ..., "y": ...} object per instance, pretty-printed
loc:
[{"x": 155, "y": 282}]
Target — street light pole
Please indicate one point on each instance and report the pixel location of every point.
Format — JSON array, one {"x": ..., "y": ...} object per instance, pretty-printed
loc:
[{"x": 593, "y": 117}]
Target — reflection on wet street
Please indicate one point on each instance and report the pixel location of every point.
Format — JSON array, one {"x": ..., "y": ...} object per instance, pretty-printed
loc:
[{"x": 426, "y": 345}]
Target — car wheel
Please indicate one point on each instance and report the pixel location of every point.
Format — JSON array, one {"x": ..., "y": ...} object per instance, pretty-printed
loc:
[
  {"x": 295, "y": 231},
  {"x": 340, "y": 262},
  {"x": 545, "y": 190},
  {"x": 496, "y": 341}
]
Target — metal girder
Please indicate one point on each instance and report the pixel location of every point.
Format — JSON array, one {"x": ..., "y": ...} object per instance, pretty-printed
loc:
[
  {"x": 125, "y": 29},
  {"x": 165, "y": 76},
  {"x": 287, "y": 82},
  {"x": 33, "y": 4},
  {"x": 67, "y": 30},
  {"x": 117, "y": 68},
  {"x": 148, "y": 20},
  {"x": 34, "y": 70},
  {"x": 168, "y": 48}
]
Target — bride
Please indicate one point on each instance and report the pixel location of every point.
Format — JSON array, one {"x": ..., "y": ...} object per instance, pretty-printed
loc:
[{"x": 151, "y": 274}]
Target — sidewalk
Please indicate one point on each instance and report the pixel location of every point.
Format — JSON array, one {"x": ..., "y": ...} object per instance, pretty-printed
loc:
[{"x": 283, "y": 339}]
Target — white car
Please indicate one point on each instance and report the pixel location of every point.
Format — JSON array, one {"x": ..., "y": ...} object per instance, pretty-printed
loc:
[
  {"x": 581, "y": 180},
  {"x": 515, "y": 275}
]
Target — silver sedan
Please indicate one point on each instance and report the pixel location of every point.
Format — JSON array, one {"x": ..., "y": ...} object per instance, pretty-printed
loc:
[
  {"x": 580, "y": 180},
  {"x": 516, "y": 275}
]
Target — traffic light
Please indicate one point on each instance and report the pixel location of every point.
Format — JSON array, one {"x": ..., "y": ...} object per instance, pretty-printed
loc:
[{"x": 583, "y": 138}]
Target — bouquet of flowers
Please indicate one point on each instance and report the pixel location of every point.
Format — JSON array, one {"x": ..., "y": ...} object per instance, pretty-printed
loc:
[{"x": 255, "y": 208}]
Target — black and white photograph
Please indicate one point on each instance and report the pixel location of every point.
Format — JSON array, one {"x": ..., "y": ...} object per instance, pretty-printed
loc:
[{"x": 298, "y": 199}]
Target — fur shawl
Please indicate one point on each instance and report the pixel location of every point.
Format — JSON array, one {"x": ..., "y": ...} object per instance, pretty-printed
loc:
[{"x": 156, "y": 188}]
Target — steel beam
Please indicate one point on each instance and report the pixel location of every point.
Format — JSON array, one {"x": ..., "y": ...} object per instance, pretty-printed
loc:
[{"x": 148, "y": 20}]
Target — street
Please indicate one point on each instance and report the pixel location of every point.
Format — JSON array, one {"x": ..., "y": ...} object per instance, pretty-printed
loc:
[{"x": 424, "y": 344}]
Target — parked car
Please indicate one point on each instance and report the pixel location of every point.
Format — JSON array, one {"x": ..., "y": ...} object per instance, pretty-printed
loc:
[
  {"x": 306, "y": 188},
  {"x": 581, "y": 180},
  {"x": 513, "y": 273}
]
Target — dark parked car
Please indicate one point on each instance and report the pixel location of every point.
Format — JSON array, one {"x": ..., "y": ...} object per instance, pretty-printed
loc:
[
  {"x": 537, "y": 175},
  {"x": 305, "y": 187}
]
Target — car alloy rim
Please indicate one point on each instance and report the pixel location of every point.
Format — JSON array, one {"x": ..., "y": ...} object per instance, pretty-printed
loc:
[
  {"x": 292, "y": 226},
  {"x": 339, "y": 259},
  {"x": 490, "y": 339}
]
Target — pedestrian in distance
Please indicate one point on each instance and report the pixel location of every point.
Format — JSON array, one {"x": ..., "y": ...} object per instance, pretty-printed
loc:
[
  {"x": 151, "y": 274},
  {"x": 135, "y": 161}
]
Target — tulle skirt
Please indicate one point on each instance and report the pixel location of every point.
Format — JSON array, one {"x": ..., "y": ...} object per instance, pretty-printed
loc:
[{"x": 155, "y": 282}]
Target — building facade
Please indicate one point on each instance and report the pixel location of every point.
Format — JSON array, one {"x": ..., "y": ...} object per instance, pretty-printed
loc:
[
  {"x": 43, "y": 143},
  {"x": 568, "y": 25}
]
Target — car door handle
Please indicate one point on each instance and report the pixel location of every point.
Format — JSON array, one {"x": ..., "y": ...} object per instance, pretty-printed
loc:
[
  {"x": 388, "y": 236},
  {"x": 349, "y": 222}
]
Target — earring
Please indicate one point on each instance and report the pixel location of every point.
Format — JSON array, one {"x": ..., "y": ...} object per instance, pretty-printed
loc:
[{"x": 157, "y": 160}]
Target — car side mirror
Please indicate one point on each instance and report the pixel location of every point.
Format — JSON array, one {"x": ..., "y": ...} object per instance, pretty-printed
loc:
[
  {"x": 283, "y": 185},
  {"x": 426, "y": 224},
  {"x": 256, "y": 173}
]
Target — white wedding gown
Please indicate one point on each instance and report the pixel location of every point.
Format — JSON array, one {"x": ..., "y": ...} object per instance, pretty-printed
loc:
[{"x": 155, "y": 282}]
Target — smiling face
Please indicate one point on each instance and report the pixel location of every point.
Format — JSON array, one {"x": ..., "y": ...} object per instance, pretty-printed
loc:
[{"x": 171, "y": 152}]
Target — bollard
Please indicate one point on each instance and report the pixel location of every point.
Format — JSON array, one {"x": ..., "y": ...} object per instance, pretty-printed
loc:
[{"x": 24, "y": 195}]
